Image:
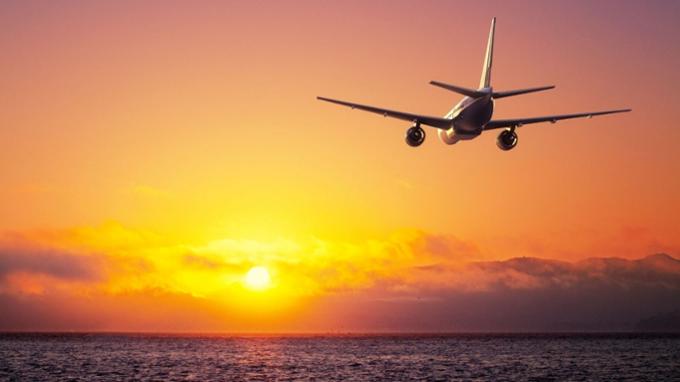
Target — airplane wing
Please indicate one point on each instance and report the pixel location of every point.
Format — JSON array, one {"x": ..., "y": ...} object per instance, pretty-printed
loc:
[
  {"x": 501, "y": 123},
  {"x": 440, "y": 123}
]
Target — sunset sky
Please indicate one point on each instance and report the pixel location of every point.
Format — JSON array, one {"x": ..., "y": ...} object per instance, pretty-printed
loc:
[{"x": 153, "y": 153}]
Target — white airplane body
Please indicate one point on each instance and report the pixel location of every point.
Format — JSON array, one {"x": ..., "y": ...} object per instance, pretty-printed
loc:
[{"x": 472, "y": 115}]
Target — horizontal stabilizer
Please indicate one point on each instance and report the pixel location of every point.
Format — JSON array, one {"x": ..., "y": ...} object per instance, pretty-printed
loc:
[
  {"x": 459, "y": 89},
  {"x": 510, "y": 93}
]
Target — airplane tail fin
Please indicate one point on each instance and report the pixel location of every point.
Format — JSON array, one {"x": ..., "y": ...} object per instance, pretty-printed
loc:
[{"x": 485, "y": 81}]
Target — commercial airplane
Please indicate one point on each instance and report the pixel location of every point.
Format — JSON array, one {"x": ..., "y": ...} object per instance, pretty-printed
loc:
[{"x": 472, "y": 115}]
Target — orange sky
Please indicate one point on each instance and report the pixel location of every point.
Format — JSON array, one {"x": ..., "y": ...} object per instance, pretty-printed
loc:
[{"x": 163, "y": 149}]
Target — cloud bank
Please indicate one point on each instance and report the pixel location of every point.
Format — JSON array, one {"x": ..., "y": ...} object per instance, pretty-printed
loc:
[{"x": 111, "y": 278}]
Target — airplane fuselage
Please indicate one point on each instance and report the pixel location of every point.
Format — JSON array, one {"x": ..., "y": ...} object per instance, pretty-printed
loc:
[
  {"x": 468, "y": 118},
  {"x": 472, "y": 115}
]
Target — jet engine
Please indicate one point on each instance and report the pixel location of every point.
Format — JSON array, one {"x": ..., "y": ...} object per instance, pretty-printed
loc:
[
  {"x": 506, "y": 140},
  {"x": 415, "y": 136}
]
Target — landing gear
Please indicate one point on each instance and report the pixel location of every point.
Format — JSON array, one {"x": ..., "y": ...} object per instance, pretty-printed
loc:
[{"x": 415, "y": 135}]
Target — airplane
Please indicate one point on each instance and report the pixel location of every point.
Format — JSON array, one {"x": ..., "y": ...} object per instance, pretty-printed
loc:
[{"x": 472, "y": 115}]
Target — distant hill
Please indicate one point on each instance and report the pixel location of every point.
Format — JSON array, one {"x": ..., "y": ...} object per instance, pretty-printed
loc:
[{"x": 665, "y": 322}]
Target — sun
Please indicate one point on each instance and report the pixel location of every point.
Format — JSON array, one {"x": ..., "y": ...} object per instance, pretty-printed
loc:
[{"x": 257, "y": 278}]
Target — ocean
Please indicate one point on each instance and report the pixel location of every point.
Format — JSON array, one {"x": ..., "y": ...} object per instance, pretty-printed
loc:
[{"x": 456, "y": 357}]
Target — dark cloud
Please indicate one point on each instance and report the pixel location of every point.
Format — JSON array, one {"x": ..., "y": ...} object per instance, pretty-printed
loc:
[
  {"x": 656, "y": 270},
  {"x": 63, "y": 265},
  {"x": 522, "y": 294}
]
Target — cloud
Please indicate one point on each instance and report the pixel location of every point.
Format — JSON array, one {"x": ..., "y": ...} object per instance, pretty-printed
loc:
[
  {"x": 58, "y": 264},
  {"x": 410, "y": 280},
  {"x": 520, "y": 294},
  {"x": 655, "y": 270}
]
